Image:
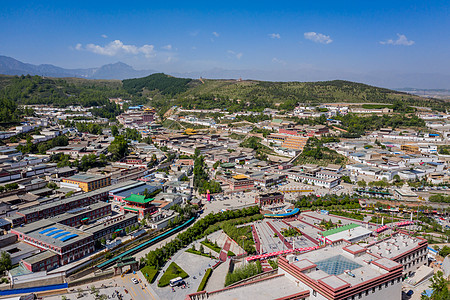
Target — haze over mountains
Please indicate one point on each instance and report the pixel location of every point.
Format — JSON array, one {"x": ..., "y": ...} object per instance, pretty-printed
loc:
[{"x": 120, "y": 70}]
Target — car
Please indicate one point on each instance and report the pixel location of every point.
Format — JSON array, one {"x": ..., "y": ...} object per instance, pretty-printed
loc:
[
  {"x": 134, "y": 280},
  {"x": 409, "y": 293}
]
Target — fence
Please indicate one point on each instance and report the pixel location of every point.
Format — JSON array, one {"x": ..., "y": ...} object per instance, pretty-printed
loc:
[{"x": 34, "y": 289}]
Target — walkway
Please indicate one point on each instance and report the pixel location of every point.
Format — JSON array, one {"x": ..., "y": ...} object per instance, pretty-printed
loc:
[
  {"x": 224, "y": 252},
  {"x": 280, "y": 236}
]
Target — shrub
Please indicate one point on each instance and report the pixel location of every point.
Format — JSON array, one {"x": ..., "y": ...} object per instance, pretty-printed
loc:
[
  {"x": 211, "y": 246},
  {"x": 243, "y": 272}
]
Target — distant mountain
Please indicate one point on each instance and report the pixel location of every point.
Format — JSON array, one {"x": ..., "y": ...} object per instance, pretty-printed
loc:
[{"x": 119, "y": 70}]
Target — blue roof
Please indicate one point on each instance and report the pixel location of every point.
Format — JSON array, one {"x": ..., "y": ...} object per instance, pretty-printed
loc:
[
  {"x": 61, "y": 234},
  {"x": 54, "y": 232},
  {"x": 47, "y": 230},
  {"x": 291, "y": 213},
  {"x": 68, "y": 237},
  {"x": 139, "y": 190}
]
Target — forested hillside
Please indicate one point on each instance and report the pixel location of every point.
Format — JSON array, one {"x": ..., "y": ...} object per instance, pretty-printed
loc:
[
  {"x": 165, "y": 84},
  {"x": 163, "y": 91},
  {"x": 256, "y": 95},
  {"x": 58, "y": 91}
]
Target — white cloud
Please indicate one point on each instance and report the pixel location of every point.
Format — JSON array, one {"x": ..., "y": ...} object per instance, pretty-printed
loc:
[
  {"x": 167, "y": 47},
  {"x": 400, "y": 41},
  {"x": 118, "y": 47},
  {"x": 216, "y": 34},
  {"x": 275, "y": 35},
  {"x": 104, "y": 36},
  {"x": 235, "y": 54},
  {"x": 318, "y": 37},
  {"x": 278, "y": 61},
  {"x": 194, "y": 33}
]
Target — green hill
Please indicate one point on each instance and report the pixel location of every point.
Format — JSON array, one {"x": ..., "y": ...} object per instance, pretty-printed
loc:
[
  {"x": 164, "y": 91},
  {"x": 256, "y": 95}
]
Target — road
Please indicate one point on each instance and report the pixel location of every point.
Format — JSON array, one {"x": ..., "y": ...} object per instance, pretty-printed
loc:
[{"x": 108, "y": 286}]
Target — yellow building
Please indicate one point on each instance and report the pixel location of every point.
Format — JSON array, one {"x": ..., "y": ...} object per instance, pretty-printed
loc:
[
  {"x": 410, "y": 149},
  {"x": 295, "y": 142},
  {"x": 88, "y": 182}
]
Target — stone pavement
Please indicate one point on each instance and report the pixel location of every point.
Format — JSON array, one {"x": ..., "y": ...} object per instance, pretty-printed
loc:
[{"x": 217, "y": 279}]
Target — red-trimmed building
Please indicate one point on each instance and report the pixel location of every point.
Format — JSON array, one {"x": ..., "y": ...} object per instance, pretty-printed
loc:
[
  {"x": 138, "y": 204},
  {"x": 68, "y": 243},
  {"x": 269, "y": 199},
  {"x": 239, "y": 182},
  {"x": 44, "y": 261}
]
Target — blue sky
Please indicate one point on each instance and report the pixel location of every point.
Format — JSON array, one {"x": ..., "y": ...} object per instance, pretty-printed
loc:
[{"x": 333, "y": 38}]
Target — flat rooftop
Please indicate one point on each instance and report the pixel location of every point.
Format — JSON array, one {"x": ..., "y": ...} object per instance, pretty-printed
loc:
[
  {"x": 330, "y": 265},
  {"x": 86, "y": 177},
  {"x": 39, "y": 257},
  {"x": 79, "y": 211},
  {"x": 350, "y": 234},
  {"x": 100, "y": 224},
  {"x": 136, "y": 190},
  {"x": 395, "y": 245},
  {"x": 53, "y": 233},
  {"x": 75, "y": 198},
  {"x": 268, "y": 289}
]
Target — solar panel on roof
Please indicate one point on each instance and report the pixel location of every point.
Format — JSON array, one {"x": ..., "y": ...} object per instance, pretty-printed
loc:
[
  {"x": 47, "y": 230},
  {"x": 54, "y": 232},
  {"x": 69, "y": 237},
  {"x": 61, "y": 234}
]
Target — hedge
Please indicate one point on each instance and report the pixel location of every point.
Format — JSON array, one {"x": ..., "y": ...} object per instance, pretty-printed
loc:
[
  {"x": 202, "y": 285},
  {"x": 199, "y": 253},
  {"x": 211, "y": 246}
]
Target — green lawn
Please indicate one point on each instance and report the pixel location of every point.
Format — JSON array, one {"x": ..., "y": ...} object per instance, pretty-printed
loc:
[
  {"x": 149, "y": 273},
  {"x": 211, "y": 246},
  {"x": 173, "y": 271}
]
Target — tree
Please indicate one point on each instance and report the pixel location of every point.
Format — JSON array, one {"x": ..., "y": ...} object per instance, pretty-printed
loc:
[
  {"x": 119, "y": 147},
  {"x": 202, "y": 250},
  {"x": 362, "y": 183},
  {"x": 114, "y": 130},
  {"x": 346, "y": 179},
  {"x": 444, "y": 251},
  {"x": 5, "y": 262},
  {"x": 439, "y": 286},
  {"x": 52, "y": 185},
  {"x": 94, "y": 289},
  {"x": 101, "y": 297}
]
